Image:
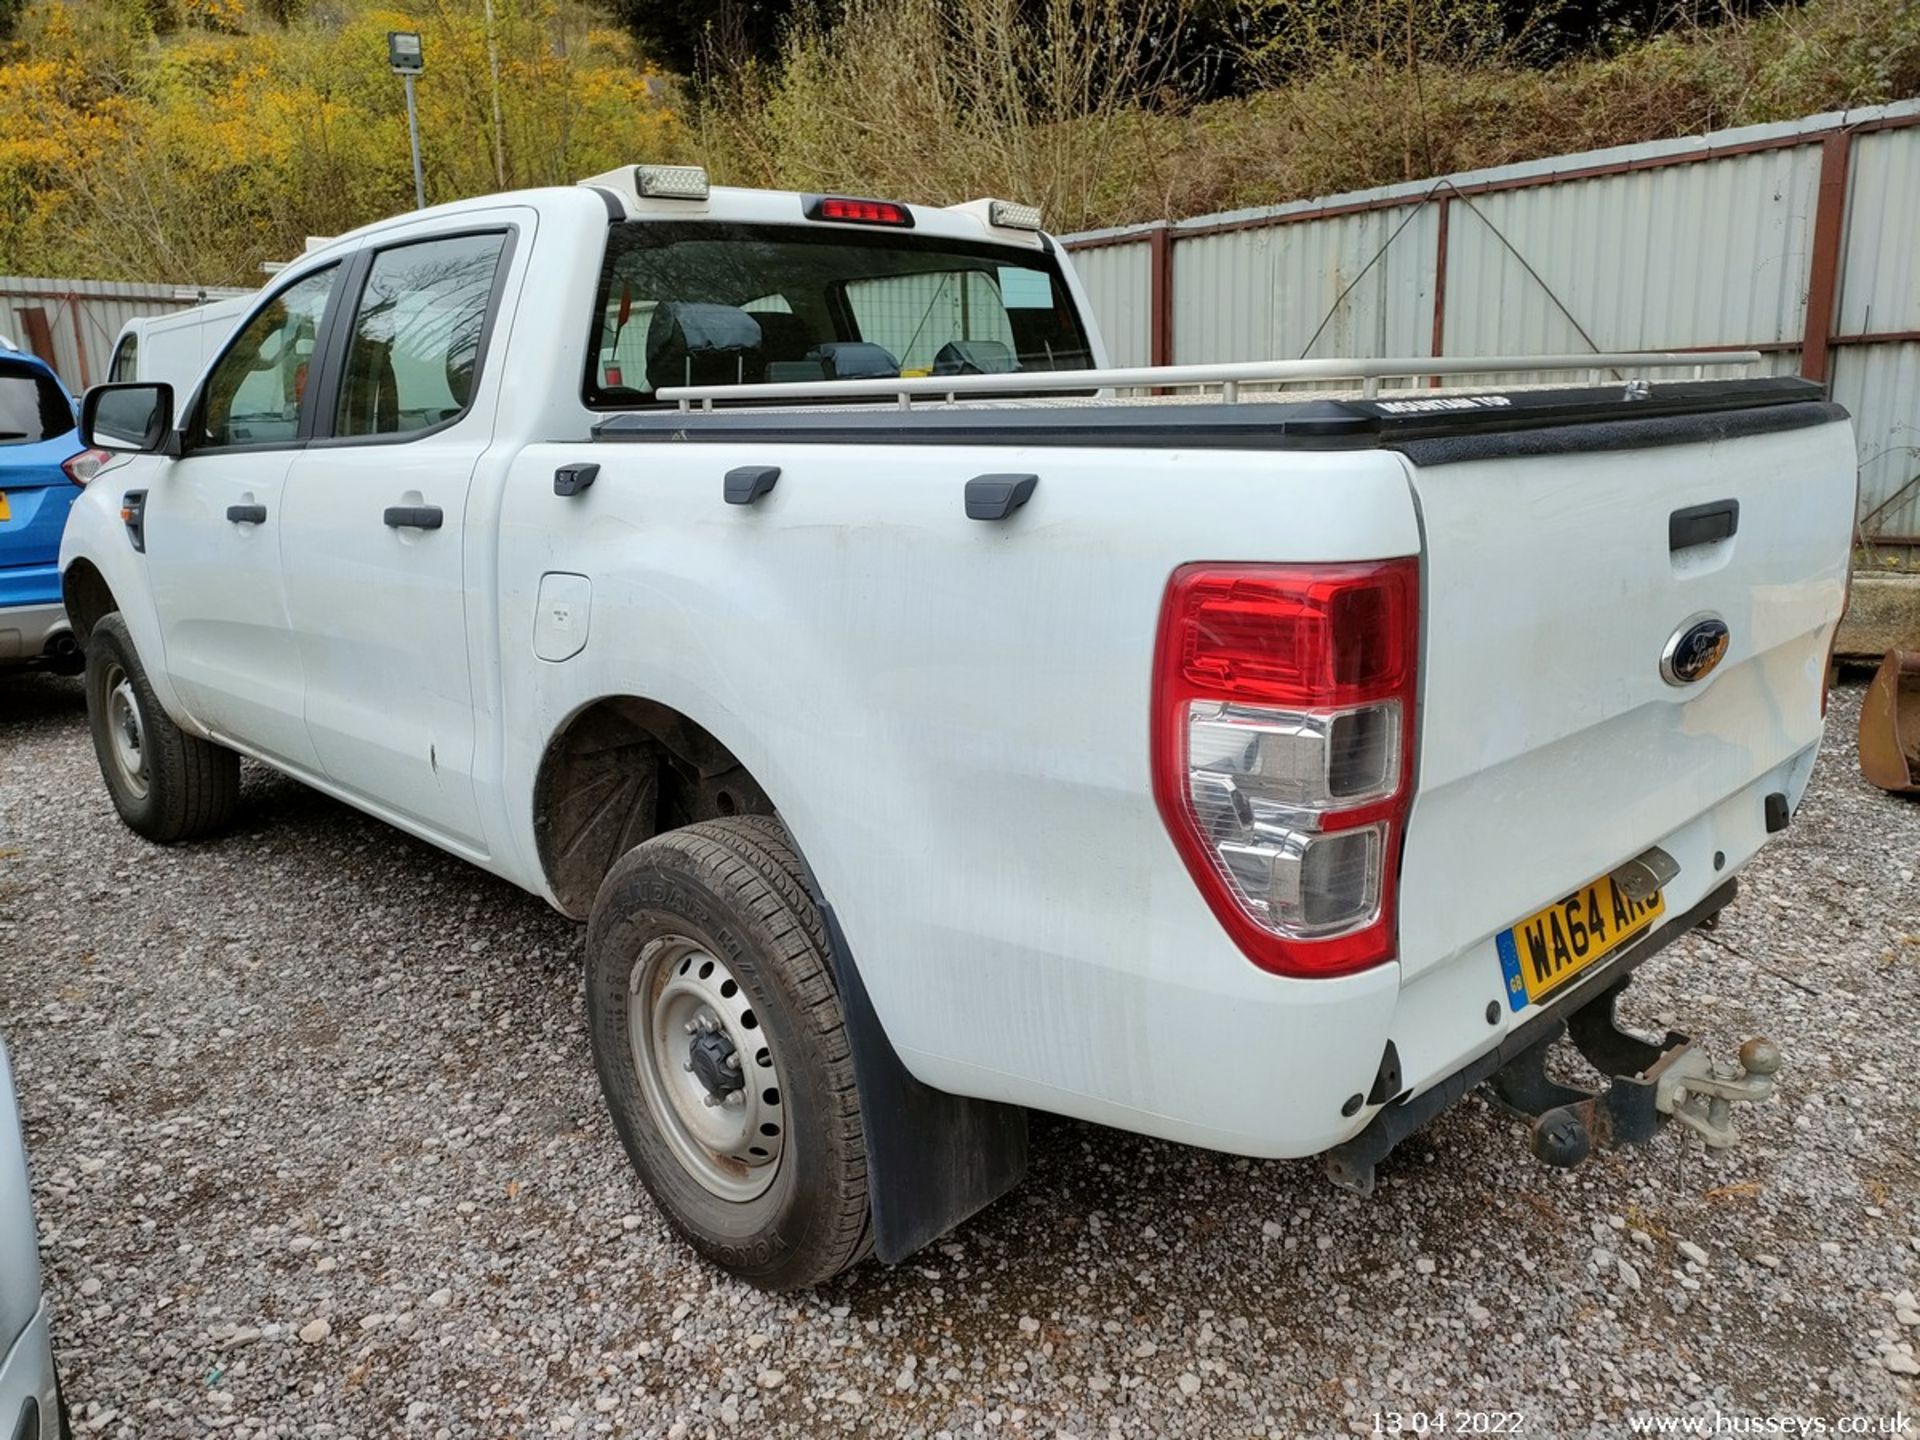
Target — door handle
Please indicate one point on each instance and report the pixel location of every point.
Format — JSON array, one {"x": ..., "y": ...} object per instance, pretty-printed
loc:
[
  {"x": 247, "y": 514},
  {"x": 418, "y": 517}
]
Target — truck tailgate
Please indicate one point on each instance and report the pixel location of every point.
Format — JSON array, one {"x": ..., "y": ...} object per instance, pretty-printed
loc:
[{"x": 1551, "y": 748}]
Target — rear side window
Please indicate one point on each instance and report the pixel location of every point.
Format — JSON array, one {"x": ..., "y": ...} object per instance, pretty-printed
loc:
[
  {"x": 32, "y": 407},
  {"x": 414, "y": 355}
]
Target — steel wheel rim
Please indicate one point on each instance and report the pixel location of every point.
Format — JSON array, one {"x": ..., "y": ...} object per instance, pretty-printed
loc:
[
  {"x": 126, "y": 733},
  {"x": 682, "y": 996}
]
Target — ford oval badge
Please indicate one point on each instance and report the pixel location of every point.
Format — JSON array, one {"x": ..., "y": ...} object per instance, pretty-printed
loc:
[{"x": 1696, "y": 647}]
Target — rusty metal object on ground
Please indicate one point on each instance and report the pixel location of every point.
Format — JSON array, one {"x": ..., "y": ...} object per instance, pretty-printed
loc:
[{"x": 1890, "y": 724}]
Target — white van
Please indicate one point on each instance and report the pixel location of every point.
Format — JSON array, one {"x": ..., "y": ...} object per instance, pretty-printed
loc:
[{"x": 176, "y": 346}]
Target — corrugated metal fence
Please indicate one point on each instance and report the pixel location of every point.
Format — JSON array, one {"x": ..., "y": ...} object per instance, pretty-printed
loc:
[
  {"x": 1800, "y": 240},
  {"x": 73, "y": 323}
]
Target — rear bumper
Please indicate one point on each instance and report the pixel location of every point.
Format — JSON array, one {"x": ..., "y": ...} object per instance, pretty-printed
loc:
[
  {"x": 27, "y": 630},
  {"x": 27, "y": 1385},
  {"x": 1449, "y": 1015},
  {"x": 1352, "y": 1162},
  {"x": 29, "y": 584}
]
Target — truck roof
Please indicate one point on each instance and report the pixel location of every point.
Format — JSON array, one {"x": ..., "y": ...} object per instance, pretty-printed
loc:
[{"x": 620, "y": 192}]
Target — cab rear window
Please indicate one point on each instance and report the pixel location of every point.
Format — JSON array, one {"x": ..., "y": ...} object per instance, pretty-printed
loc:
[
  {"x": 32, "y": 407},
  {"x": 700, "y": 303}
]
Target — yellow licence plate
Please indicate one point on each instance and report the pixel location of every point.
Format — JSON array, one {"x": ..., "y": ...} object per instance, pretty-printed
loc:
[
  {"x": 5, "y": 513},
  {"x": 1545, "y": 951}
]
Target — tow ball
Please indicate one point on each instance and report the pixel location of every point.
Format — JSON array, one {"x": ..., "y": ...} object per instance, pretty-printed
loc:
[{"x": 1650, "y": 1084}]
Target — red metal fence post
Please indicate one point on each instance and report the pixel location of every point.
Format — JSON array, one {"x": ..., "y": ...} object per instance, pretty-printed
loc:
[
  {"x": 1823, "y": 269},
  {"x": 79, "y": 340},
  {"x": 1160, "y": 296},
  {"x": 1439, "y": 345}
]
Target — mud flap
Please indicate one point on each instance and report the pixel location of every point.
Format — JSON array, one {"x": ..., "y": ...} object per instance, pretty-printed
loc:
[{"x": 933, "y": 1159}]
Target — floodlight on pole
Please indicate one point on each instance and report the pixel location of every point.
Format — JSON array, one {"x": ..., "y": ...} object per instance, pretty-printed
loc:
[{"x": 408, "y": 60}]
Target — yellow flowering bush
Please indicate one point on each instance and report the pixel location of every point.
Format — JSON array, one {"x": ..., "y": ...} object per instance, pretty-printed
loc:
[{"x": 196, "y": 155}]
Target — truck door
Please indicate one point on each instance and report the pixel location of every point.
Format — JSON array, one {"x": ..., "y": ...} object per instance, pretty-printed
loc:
[
  {"x": 375, "y": 548},
  {"x": 213, "y": 522}
]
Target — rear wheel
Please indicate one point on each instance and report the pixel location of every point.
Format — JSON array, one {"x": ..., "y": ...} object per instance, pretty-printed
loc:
[
  {"x": 166, "y": 784},
  {"x": 723, "y": 1055}
]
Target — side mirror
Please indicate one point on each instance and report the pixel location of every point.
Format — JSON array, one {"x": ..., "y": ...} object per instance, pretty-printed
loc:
[{"x": 128, "y": 419}]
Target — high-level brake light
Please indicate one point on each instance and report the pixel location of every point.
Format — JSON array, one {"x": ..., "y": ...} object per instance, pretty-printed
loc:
[
  {"x": 852, "y": 211},
  {"x": 1283, "y": 720}
]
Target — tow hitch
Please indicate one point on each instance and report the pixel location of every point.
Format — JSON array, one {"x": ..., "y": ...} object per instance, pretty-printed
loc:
[{"x": 1649, "y": 1085}]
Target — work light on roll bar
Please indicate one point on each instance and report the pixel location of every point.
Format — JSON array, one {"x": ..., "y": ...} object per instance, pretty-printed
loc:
[
  {"x": 1012, "y": 215},
  {"x": 670, "y": 182}
]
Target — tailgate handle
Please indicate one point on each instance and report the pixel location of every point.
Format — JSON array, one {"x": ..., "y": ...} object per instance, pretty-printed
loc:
[{"x": 1703, "y": 524}]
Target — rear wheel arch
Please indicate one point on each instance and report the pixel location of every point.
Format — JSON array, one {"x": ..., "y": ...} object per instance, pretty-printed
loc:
[
  {"x": 621, "y": 770},
  {"x": 87, "y": 596}
]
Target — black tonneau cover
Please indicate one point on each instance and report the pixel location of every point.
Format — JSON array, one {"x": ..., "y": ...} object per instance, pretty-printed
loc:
[{"x": 1433, "y": 428}]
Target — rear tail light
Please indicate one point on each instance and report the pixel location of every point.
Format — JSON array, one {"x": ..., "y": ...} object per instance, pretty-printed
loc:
[
  {"x": 83, "y": 467},
  {"x": 1283, "y": 751},
  {"x": 858, "y": 212}
]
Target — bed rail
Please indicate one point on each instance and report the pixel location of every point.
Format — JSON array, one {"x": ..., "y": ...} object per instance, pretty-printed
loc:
[{"x": 1229, "y": 378}]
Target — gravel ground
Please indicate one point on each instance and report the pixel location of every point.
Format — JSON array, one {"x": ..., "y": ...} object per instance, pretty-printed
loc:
[{"x": 318, "y": 1152}]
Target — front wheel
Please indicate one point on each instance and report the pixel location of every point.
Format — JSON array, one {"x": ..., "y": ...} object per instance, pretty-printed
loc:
[
  {"x": 166, "y": 784},
  {"x": 723, "y": 1055}
]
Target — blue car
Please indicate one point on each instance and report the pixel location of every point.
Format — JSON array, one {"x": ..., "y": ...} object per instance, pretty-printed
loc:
[{"x": 42, "y": 467}]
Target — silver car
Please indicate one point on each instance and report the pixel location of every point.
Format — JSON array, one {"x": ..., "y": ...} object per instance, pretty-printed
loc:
[{"x": 30, "y": 1407}]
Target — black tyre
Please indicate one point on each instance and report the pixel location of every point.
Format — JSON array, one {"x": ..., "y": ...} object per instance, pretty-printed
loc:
[
  {"x": 723, "y": 1055},
  {"x": 166, "y": 784}
]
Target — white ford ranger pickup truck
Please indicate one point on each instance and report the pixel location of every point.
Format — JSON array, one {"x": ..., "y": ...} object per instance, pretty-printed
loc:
[{"x": 930, "y": 729}]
